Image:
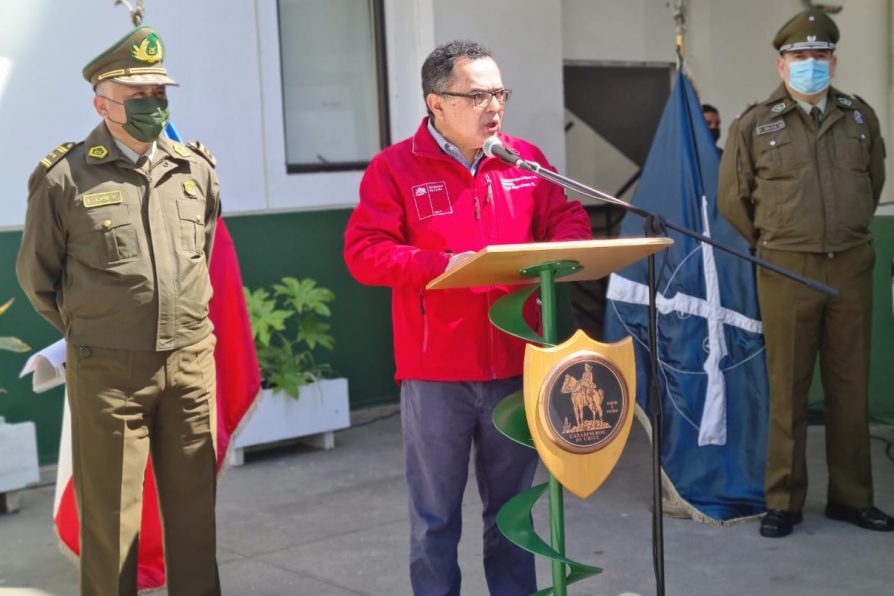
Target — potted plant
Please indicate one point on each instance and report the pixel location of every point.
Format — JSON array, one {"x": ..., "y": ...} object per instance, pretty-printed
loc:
[{"x": 298, "y": 399}]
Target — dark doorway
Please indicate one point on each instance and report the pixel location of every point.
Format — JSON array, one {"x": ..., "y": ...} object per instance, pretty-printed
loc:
[{"x": 618, "y": 105}]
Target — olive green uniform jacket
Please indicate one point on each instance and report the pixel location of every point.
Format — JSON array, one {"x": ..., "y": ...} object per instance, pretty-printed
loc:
[
  {"x": 782, "y": 192},
  {"x": 115, "y": 256}
]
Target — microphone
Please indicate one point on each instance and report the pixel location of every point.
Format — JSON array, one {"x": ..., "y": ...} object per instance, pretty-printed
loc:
[{"x": 493, "y": 147}]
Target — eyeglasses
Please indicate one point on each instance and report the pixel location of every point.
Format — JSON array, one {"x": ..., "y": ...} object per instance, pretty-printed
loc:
[{"x": 482, "y": 98}]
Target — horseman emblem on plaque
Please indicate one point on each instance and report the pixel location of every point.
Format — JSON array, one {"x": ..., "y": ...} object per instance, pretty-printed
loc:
[{"x": 579, "y": 400}]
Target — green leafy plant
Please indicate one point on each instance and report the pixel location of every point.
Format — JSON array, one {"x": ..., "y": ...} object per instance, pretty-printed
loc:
[
  {"x": 8, "y": 343},
  {"x": 287, "y": 329}
]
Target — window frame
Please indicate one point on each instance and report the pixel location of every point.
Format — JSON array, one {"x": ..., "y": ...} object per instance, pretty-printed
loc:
[{"x": 384, "y": 121}]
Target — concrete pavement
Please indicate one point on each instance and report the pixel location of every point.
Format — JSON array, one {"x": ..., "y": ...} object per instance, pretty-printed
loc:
[{"x": 296, "y": 521}]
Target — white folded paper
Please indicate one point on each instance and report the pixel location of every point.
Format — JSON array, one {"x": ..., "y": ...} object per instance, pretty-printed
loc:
[{"x": 47, "y": 366}]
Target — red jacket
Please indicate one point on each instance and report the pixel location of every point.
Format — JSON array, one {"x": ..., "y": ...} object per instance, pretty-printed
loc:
[{"x": 417, "y": 206}]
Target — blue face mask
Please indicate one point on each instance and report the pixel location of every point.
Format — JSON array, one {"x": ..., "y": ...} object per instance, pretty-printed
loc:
[{"x": 809, "y": 76}]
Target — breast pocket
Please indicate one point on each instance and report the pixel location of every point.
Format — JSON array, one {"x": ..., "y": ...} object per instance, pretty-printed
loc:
[
  {"x": 852, "y": 146},
  {"x": 192, "y": 225},
  {"x": 777, "y": 154},
  {"x": 104, "y": 235}
]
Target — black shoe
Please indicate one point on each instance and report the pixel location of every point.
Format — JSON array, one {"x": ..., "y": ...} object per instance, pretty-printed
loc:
[
  {"x": 870, "y": 518},
  {"x": 777, "y": 523}
]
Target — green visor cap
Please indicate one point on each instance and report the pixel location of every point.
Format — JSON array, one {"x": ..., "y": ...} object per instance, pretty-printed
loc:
[
  {"x": 136, "y": 59},
  {"x": 811, "y": 29}
]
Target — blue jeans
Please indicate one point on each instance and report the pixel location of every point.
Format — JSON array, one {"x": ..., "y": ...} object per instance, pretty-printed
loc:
[{"x": 441, "y": 421}]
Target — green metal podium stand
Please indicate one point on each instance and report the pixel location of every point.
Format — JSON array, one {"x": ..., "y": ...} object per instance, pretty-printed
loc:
[{"x": 539, "y": 266}]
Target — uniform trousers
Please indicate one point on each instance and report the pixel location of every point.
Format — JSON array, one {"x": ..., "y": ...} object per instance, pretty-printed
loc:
[
  {"x": 126, "y": 405},
  {"x": 441, "y": 423},
  {"x": 798, "y": 323}
]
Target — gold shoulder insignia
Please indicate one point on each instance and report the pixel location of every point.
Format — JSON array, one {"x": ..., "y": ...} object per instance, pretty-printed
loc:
[
  {"x": 203, "y": 151},
  {"x": 55, "y": 155},
  {"x": 181, "y": 150},
  {"x": 47, "y": 163}
]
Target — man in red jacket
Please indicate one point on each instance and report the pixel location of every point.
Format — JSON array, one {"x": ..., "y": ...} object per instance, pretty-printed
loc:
[{"x": 426, "y": 204}]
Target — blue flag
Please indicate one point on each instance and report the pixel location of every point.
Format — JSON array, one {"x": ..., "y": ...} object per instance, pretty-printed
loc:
[{"x": 712, "y": 374}]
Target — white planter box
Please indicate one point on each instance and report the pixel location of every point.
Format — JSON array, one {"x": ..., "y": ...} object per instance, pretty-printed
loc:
[
  {"x": 18, "y": 461},
  {"x": 321, "y": 409}
]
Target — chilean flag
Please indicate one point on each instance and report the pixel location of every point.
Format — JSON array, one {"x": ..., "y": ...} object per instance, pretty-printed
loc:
[{"x": 238, "y": 384}]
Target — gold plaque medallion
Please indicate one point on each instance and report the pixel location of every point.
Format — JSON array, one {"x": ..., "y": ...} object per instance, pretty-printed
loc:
[{"x": 579, "y": 401}]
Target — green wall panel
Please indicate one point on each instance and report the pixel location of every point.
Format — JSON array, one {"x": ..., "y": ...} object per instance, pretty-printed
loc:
[
  {"x": 20, "y": 403},
  {"x": 881, "y": 396},
  {"x": 307, "y": 244}
]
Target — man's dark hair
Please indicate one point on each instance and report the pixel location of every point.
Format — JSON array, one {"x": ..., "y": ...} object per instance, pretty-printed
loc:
[
  {"x": 437, "y": 70},
  {"x": 706, "y": 107}
]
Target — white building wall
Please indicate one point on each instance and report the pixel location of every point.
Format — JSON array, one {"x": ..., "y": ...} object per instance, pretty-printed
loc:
[
  {"x": 525, "y": 37},
  {"x": 213, "y": 54},
  {"x": 729, "y": 47},
  {"x": 228, "y": 64}
]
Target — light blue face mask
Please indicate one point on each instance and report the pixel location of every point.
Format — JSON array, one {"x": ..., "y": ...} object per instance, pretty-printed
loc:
[{"x": 809, "y": 76}]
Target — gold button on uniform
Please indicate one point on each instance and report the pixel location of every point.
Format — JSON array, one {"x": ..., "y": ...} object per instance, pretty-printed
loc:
[{"x": 107, "y": 223}]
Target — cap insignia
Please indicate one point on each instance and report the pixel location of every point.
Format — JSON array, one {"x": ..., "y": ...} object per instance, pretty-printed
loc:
[
  {"x": 150, "y": 50},
  {"x": 97, "y": 152}
]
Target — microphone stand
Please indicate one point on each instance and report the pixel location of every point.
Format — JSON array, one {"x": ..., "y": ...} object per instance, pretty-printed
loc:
[{"x": 655, "y": 225}]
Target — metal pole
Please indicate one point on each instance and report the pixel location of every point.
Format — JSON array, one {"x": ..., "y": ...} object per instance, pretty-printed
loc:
[{"x": 556, "y": 495}]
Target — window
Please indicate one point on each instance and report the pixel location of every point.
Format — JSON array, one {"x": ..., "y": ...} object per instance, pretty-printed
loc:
[{"x": 334, "y": 83}]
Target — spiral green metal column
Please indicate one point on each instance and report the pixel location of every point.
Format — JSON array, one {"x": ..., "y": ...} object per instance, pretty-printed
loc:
[{"x": 514, "y": 519}]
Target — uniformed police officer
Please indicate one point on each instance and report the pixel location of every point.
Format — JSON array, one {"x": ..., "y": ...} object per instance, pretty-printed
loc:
[
  {"x": 800, "y": 178},
  {"x": 114, "y": 254}
]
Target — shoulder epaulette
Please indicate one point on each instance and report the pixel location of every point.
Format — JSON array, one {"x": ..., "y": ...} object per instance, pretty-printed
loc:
[
  {"x": 203, "y": 151},
  {"x": 747, "y": 109},
  {"x": 54, "y": 156},
  {"x": 861, "y": 100},
  {"x": 48, "y": 163}
]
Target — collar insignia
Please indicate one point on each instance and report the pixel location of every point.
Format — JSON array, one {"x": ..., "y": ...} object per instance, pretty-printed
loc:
[
  {"x": 181, "y": 150},
  {"x": 97, "y": 151},
  {"x": 778, "y": 107}
]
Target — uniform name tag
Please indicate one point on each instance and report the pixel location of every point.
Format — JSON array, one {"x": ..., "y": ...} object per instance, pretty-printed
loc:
[
  {"x": 98, "y": 199},
  {"x": 770, "y": 127}
]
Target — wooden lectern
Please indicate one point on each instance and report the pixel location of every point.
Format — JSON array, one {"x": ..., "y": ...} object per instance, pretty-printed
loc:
[{"x": 528, "y": 265}]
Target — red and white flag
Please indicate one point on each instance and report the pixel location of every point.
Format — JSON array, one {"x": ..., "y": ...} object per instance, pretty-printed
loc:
[{"x": 238, "y": 384}]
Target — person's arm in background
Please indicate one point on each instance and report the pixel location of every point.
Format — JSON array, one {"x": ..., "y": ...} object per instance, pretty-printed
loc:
[{"x": 735, "y": 184}]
